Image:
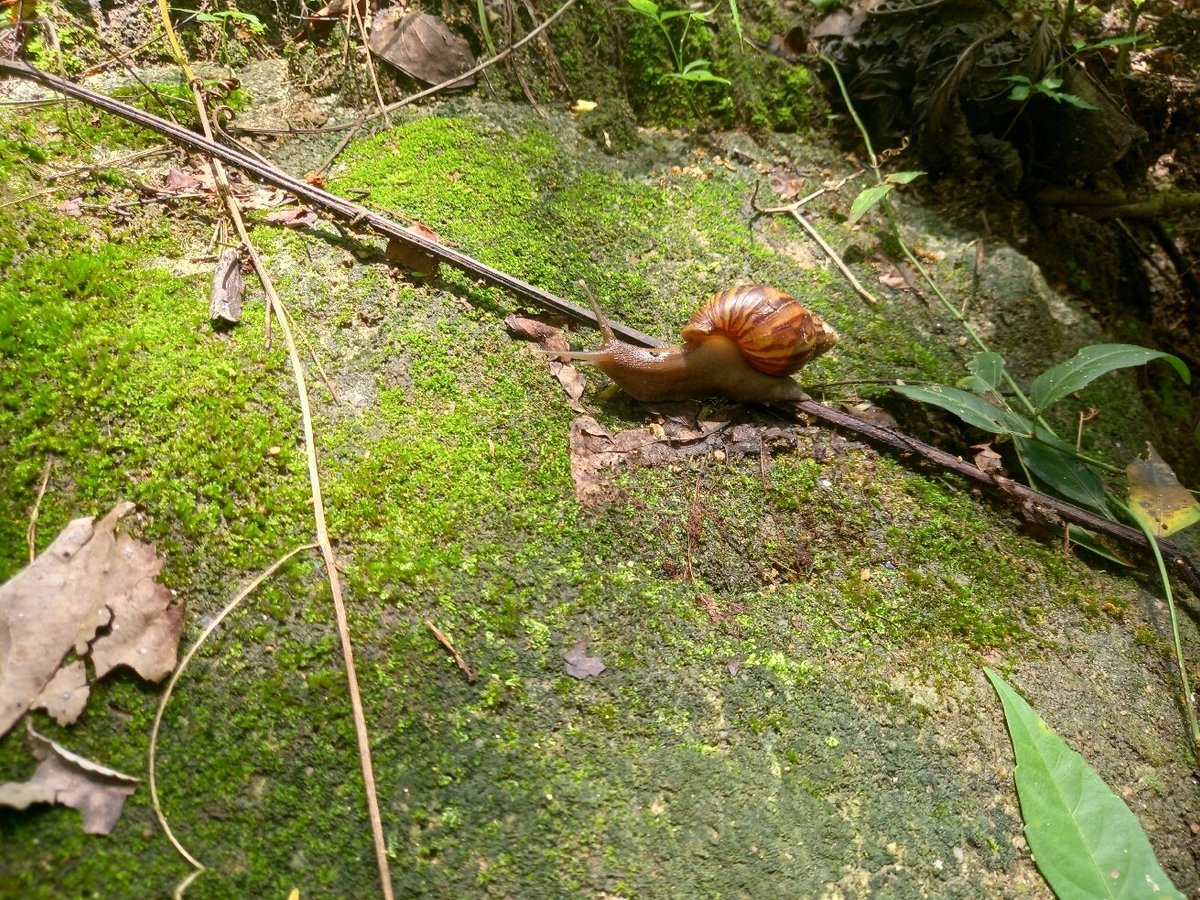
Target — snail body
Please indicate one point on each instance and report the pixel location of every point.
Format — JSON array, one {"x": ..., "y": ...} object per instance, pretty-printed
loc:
[{"x": 742, "y": 344}]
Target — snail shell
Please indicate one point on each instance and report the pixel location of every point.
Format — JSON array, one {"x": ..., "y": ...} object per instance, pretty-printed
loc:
[{"x": 775, "y": 334}]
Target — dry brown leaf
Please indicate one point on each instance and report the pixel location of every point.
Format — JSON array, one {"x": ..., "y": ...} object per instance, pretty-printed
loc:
[
  {"x": 419, "y": 263},
  {"x": 293, "y": 217},
  {"x": 987, "y": 460},
  {"x": 421, "y": 46},
  {"x": 228, "y": 287},
  {"x": 88, "y": 578},
  {"x": 66, "y": 695},
  {"x": 579, "y": 664},
  {"x": 70, "y": 780}
]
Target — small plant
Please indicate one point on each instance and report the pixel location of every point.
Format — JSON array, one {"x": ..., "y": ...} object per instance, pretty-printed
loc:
[
  {"x": 696, "y": 70},
  {"x": 222, "y": 18},
  {"x": 1049, "y": 85}
]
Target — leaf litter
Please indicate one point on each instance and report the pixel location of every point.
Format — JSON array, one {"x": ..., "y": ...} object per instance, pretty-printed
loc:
[{"x": 92, "y": 591}]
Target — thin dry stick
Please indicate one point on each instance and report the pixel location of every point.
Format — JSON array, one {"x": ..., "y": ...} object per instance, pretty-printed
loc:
[
  {"x": 162, "y": 703},
  {"x": 794, "y": 210},
  {"x": 420, "y": 95},
  {"x": 362, "y": 32},
  {"x": 458, "y": 657},
  {"x": 31, "y": 531},
  {"x": 314, "y": 476}
]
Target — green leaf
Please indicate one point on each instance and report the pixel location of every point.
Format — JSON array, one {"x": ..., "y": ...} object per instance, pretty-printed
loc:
[
  {"x": 903, "y": 177},
  {"x": 1075, "y": 100},
  {"x": 737, "y": 21},
  {"x": 971, "y": 409},
  {"x": 864, "y": 202},
  {"x": 1020, "y": 92},
  {"x": 1089, "y": 364},
  {"x": 1091, "y": 541},
  {"x": 1064, "y": 473},
  {"x": 645, "y": 7},
  {"x": 1085, "y": 841},
  {"x": 1049, "y": 85},
  {"x": 989, "y": 367}
]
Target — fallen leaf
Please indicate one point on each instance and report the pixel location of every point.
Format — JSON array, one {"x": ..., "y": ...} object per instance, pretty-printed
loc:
[
  {"x": 419, "y": 263},
  {"x": 296, "y": 217},
  {"x": 1157, "y": 497},
  {"x": 551, "y": 339},
  {"x": 72, "y": 207},
  {"x": 786, "y": 184},
  {"x": 579, "y": 664},
  {"x": 70, "y": 780},
  {"x": 421, "y": 45},
  {"x": 583, "y": 106},
  {"x": 89, "y": 578},
  {"x": 987, "y": 460},
  {"x": 66, "y": 695},
  {"x": 228, "y": 287},
  {"x": 179, "y": 181}
]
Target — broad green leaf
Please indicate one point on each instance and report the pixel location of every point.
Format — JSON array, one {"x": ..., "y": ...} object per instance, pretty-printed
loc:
[
  {"x": 1089, "y": 364},
  {"x": 1020, "y": 92},
  {"x": 1049, "y": 85},
  {"x": 971, "y": 409},
  {"x": 903, "y": 177},
  {"x": 1157, "y": 498},
  {"x": 974, "y": 384},
  {"x": 1063, "y": 473},
  {"x": 866, "y": 200},
  {"x": 989, "y": 367},
  {"x": 1085, "y": 841}
]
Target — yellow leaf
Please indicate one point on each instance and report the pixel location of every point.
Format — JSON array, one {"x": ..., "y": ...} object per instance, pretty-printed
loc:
[
  {"x": 1157, "y": 498},
  {"x": 583, "y": 106}
]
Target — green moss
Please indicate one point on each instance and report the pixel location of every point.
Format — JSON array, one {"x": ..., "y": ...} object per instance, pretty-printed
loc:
[{"x": 719, "y": 753}]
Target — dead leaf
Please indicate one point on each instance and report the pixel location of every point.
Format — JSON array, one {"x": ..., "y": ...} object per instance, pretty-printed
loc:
[
  {"x": 70, "y": 780},
  {"x": 1157, "y": 498},
  {"x": 787, "y": 185},
  {"x": 228, "y": 287},
  {"x": 869, "y": 412},
  {"x": 579, "y": 664},
  {"x": 551, "y": 339},
  {"x": 987, "y": 460},
  {"x": 66, "y": 695},
  {"x": 72, "y": 207},
  {"x": 90, "y": 577},
  {"x": 179, "y": 181},
  {"x": 296, "y": 217},
  {"x": 421, "y": 46},
  {"x": 419, "y": 263}
]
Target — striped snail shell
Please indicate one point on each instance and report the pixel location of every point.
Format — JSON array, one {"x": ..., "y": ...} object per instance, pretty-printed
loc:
[{"x": 775, "y": 334}]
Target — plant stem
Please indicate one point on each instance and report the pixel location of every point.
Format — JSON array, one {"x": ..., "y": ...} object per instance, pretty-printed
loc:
[{"x": 1188, "y": 697}]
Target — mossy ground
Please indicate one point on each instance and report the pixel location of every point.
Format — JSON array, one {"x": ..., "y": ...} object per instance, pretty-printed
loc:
[{"x": 830, "y": 737}]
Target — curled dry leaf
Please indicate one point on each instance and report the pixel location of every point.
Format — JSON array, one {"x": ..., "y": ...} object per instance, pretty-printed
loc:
[
  {"x": 419, "y": 263},
  {"x": 551, "y": 339},
  {"x": 70, "y": 780},
  {"x": 89, "y": 578},
  {"x": 421, "y": 46}
]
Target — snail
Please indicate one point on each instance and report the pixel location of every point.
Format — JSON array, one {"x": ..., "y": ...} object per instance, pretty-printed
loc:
[{"x": 742, "y": 344}]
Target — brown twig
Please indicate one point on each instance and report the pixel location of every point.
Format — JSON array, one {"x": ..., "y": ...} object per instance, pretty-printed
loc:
[
  {"x": 458, "y": 657},
  {"x": 793, "y": 209},
  {"x": 330, "y": 203},
  {"x": 449, "y": 82},
  {"x": 31, "y": 531},
  {"x": 314, "y": 476},
  {"x": 1012, "y": 491}
]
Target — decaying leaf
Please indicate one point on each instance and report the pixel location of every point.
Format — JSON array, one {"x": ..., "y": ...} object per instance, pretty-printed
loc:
[
  {"x": 228, "y": 287},
  {"x": 680, "y": 435},
  {"x": 294, "y": 217},
  {"x": 70, "y": 780},
  {"x": 987, "y": 460},
  {"x": 88, "y": 579},
  {"x": 1157, "y": 497},
  {"x": 421, "y": 46},
  {"x": 551, "y": 339},
  {"x": 579, "y": 664},
  {"x": 419, "y": 263},
  {"x": 66, "y": 695}
]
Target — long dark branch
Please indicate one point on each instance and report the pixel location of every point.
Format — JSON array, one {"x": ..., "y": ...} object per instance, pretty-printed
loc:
[
  {"x": 354, "y": 214},
  {"x": 342, "y": 209}
]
